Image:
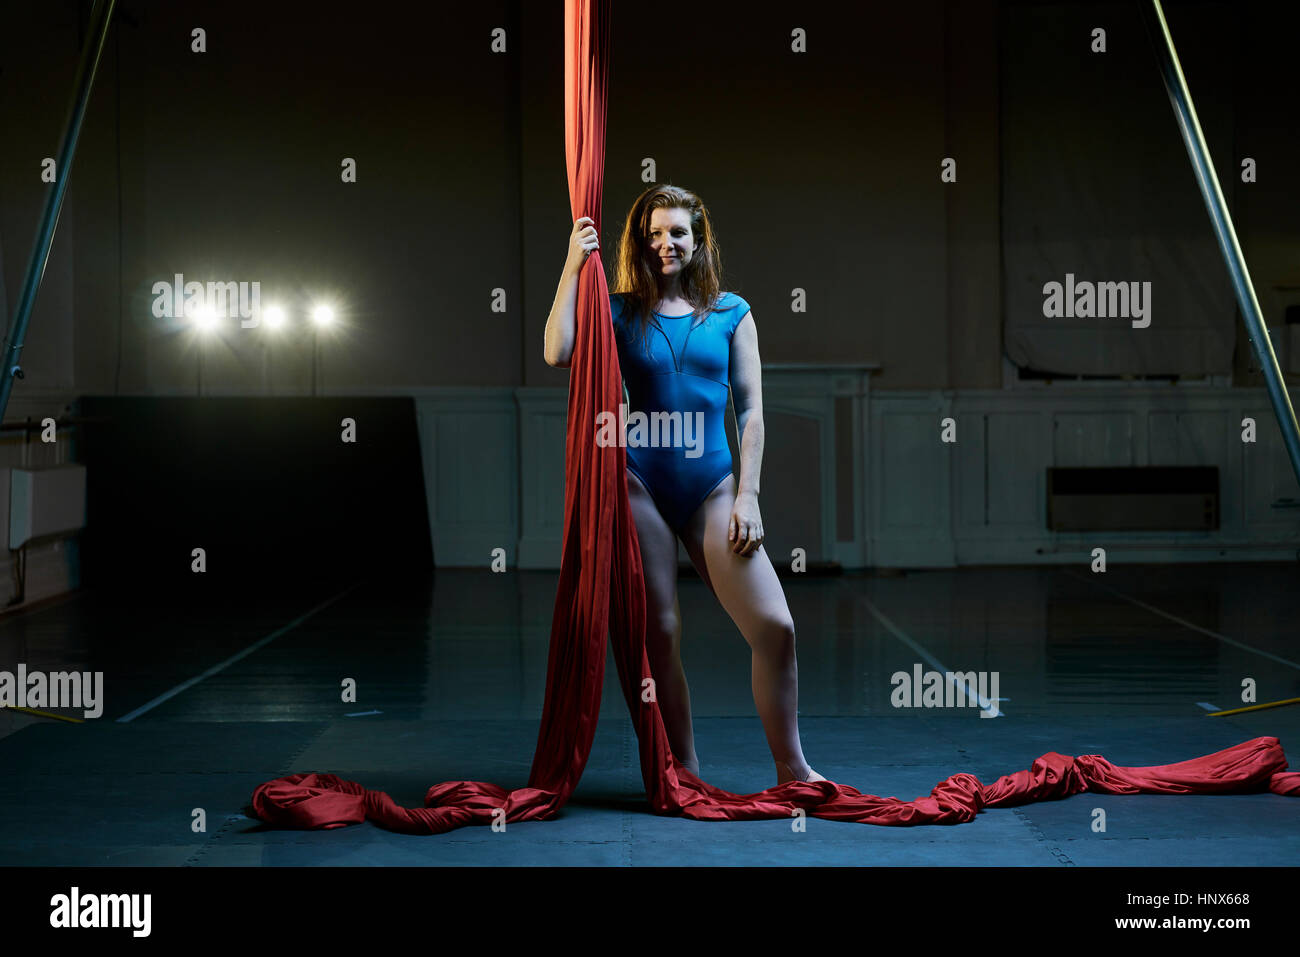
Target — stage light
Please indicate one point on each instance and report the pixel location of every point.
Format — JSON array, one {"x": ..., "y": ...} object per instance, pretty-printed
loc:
[
  {"x": 322, "y": 315},
  {"x": 205, "y": 317},
  {"x": 273, "y": 316}
]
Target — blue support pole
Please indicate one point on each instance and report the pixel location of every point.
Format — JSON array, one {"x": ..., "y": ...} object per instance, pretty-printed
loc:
[
  {"x": 101, "y": 15},
  {"x": 1190, "y": 126}
]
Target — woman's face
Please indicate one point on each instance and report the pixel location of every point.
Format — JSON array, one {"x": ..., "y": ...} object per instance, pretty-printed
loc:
[{"x": 671, "y": 242}]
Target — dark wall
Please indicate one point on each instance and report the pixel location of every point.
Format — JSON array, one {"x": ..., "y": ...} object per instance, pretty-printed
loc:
[
  {"x": 821, "y": 171},
  {"x": 266, "y": 487}
]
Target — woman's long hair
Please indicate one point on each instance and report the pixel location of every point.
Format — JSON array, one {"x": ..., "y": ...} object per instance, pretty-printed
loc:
[{"x": 639, "y": 283}]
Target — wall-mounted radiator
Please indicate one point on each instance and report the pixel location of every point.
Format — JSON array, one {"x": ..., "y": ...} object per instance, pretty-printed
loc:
[{"x": 1139, "y": 498}]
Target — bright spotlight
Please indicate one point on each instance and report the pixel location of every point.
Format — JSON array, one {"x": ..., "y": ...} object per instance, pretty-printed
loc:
[
  {"x": 274, "y": 317},
  {"x": 322, "y": 315},
  {"x": 206, "y": 318}
]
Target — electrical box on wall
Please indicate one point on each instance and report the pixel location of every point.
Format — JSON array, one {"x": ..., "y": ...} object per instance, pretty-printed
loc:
[{"x": 46, "y": 501}]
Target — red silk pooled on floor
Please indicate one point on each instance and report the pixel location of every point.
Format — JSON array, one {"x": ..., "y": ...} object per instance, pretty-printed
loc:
[{"x": 601, "y": 589}]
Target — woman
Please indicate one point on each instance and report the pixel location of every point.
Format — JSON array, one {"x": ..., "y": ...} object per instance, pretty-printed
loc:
[{"x": 682, "y": 346}]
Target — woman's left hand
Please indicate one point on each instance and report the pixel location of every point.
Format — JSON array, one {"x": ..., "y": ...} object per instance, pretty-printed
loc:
[{"x": 745, "y": 532}]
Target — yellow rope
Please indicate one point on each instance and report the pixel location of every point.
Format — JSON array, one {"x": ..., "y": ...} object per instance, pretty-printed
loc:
[
  {"x": 46, "y": 714},
  {"x": 1254, "y": 707}
]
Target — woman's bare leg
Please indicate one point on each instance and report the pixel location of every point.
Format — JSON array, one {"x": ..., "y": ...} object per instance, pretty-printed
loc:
[
  {"x": 663, "y": 629},
  {"x": 751, "y": 594}
]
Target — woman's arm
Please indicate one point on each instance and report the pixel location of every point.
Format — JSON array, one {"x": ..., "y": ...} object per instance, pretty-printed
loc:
[
  {"x": 560, "y": 323},
  {"x": 746, "y": 528}
]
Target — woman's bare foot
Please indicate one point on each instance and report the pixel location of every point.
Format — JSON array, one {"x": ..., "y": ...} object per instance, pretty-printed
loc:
[{"x": 803, "y": 772}]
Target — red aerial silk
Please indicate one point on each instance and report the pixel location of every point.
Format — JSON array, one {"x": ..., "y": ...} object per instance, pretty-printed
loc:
[{"x": 601, "y": 589}]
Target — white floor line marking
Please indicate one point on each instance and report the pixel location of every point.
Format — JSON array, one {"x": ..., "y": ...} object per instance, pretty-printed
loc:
[
  {"x": 1187, "y": 624},
  {"x": 233, "y": 658},
  {"x": 970, "y": 693}
]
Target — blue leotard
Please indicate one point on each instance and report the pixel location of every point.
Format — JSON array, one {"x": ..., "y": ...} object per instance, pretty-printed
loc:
[{"x": 678, "y": 447}]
